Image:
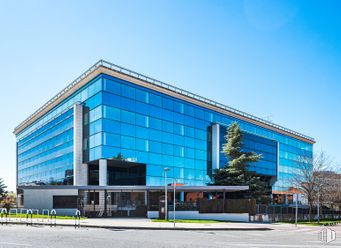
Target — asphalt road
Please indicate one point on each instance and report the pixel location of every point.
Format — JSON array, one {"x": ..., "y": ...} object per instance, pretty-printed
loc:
[{"x": 23, "y": 236}]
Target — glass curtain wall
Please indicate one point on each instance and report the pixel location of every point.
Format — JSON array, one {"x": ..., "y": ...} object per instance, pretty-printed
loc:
[
  {"x": 161, "y": 131},
  {"x": 45, "y": 148},
  {"x": 136, "y": 124}
]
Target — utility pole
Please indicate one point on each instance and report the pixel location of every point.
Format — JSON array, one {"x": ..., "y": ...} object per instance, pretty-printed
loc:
[
  {"x": 174, "y": 184},
  {"x": 166, "y": 169},
  {"x": 296, "y": 209},
  {"x": 318, "y": 204}
]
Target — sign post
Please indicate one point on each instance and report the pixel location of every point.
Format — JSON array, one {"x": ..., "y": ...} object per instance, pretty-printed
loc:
[
  {"x": 166, "y": 169},
  {"x": 296, "y": 208}
]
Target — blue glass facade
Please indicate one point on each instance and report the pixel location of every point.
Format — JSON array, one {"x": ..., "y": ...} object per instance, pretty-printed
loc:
[
  {"x": 145, "y": 126},
  {"x": 45, "y": 148},
  {"x": 267, "y": 165}
]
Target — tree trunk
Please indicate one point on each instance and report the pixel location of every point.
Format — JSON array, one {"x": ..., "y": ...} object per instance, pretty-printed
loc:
[{"x": 310, "y": 211}]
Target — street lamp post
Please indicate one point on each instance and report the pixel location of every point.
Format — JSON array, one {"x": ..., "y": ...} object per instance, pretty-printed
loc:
[
  {"x": 166, "y": 169},
  {"x": 318, "y": 204},
  {"x": 174, "y": 183},
  {"x": 296, "y": 208}
]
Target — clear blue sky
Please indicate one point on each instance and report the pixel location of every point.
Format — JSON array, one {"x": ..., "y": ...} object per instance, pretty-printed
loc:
[{"x": 275, "y": 59}]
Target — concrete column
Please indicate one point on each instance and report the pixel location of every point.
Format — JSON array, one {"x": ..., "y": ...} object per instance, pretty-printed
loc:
[
  {"x": 80, "y": 170},
  {"x": 215, "y": 146},
  {"x": 182, "y": 196},
  {"x": 86, "y": 197},
  {"x": 85, "y": 173},
  {"x": 103, "y": 168},
  {"x": 146, "y": 198},
  {"x": 101, "y": 198},
  {"x": 277, "y": 168}
]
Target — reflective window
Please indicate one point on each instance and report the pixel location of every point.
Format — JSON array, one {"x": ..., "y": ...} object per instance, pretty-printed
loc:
[
  {"x": 142, "y": 96},
  {"x": 155, "y": 111},
  {"x": 112, "y": 86},
  {"x": 155, "y": 100},
  {"x": 188, "y": 110},
  {"x": 178, "y": 107},
  {"x": 155, "y": 123},
  {"x": 142, "y": 145},
  {"x": 167, "y": 126},
  {"x": 128, "y": 117},
  {"x": 142, "y": 120},
  {"x": 111, "y": 100},
  {"x": 167, "y": 103},
  {"x": 128, "y": 91},
  {"x": 111, "y": 139},
  {"x": 128, "y": 104},
  {"x": 155, "y": 146},
  {"x": 127, "y": 142}
]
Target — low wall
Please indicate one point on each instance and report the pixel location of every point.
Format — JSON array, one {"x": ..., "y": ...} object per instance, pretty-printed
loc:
[
  {"x": 195, "y": 215},
  {"x": 43, "y": 199}
]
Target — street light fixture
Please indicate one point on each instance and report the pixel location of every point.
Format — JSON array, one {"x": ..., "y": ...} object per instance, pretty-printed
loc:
[
  {"x": 166, "y": 169},
  {"x": 296, "y": 208}
]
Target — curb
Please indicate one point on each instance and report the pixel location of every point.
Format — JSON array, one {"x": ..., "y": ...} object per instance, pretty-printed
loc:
[{"x": 146, "y": 228}]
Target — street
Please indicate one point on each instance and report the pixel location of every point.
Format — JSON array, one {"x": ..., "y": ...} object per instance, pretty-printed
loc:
[{"x": 39, "y": 236}]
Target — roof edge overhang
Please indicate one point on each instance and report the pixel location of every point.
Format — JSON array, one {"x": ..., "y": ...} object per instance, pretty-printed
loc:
[{"x": 103, "y": 67}]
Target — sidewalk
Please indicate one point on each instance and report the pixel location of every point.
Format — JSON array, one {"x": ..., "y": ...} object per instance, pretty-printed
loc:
[
  {"x": 143, "y": 223},
  {"x": 148, "y": 224}
]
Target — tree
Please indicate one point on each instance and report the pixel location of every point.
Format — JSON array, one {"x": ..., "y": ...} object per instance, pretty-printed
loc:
[
  {"x": 312, "y": 179},
  {"x": 330, "y": 195},
  {"x": 8, "y": 202},
  {"x": 236, "y": 171},
  {"x": 3, "y": 192},
  {"x": 238, "y": 159},
  {"x": 119, "y": 156}
]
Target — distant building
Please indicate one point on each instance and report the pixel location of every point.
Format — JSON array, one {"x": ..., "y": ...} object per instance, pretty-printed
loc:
[{"x": 115, "y": 129}]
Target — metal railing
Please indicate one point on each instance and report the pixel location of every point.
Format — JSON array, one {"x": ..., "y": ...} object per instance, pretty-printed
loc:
[
  {"x": 156, "y": 82},
  {"x": 277, "y": 213}
]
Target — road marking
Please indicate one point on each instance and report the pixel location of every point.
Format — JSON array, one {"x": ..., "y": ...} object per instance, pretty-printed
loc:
[
  {"x": 301, "y": 230},
  {"x": 274, "y": 245},
  {"x": 17, "y": 244}
]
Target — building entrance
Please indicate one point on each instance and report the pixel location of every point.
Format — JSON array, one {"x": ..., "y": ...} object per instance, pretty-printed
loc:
[{"x": 110, "y": 203}]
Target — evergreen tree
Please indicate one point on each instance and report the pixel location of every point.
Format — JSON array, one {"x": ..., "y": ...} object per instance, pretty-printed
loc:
[
  {"x": 3, "y": 187},
  {"x": 119, "y": 157},
  {"x": 236, "y": 171},
  {"x": 238, "y": 160}
]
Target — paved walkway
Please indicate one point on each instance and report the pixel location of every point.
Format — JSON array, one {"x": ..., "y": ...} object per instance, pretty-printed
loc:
[
  {"x": 143, "y": 223},
  {"x": 149, "y": 224}
]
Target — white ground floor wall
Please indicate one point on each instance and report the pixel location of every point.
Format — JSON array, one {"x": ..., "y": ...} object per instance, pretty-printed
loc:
[{"x": 43, "y": 199}]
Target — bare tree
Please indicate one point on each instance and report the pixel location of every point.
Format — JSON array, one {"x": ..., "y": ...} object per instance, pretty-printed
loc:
[
  {"x": 330, "y": 196},
  {"x": 309, "y": 180}
]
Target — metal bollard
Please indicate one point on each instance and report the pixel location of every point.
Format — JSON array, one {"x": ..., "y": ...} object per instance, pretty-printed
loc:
[
  {"x": 53, "y": 216},
  {"x": 21, "y": 210},
  {"x": 11, "y": 211},
  {"x": 36, "y": 211},
  {"x": 3, "y": 216},
  {"x": 29, "y": 213},
  {"x": 78, "y": 219},
  {"x": 43, "y": 215}
]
